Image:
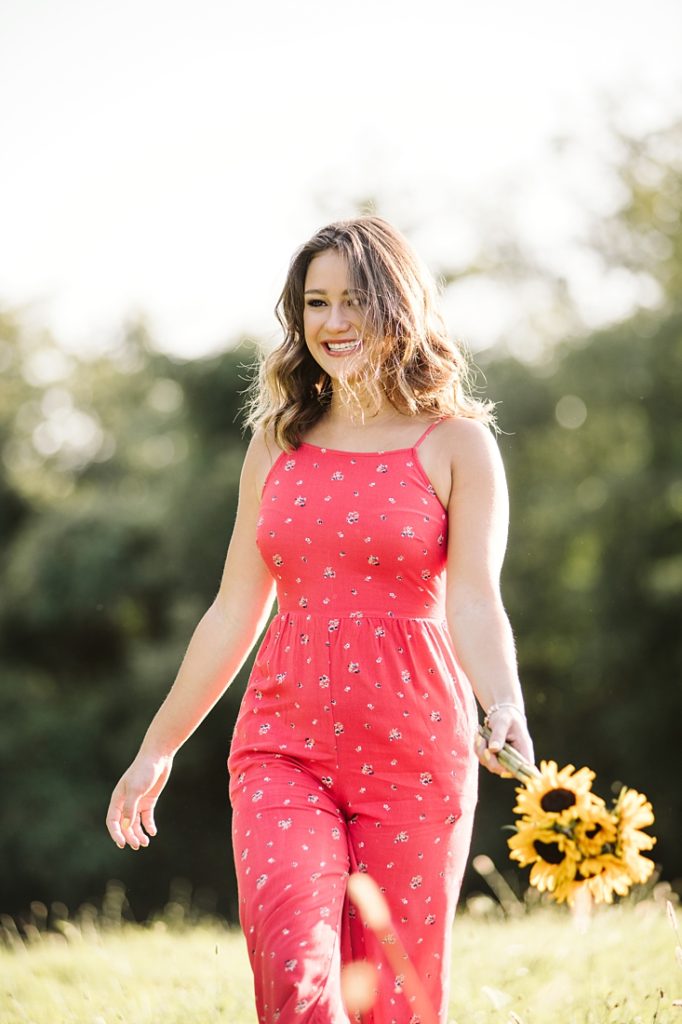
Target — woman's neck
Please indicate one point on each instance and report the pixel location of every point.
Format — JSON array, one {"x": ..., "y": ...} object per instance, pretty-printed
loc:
[
  {"x": 358, "y": 414},
  {"x": 344, "y": 427}
]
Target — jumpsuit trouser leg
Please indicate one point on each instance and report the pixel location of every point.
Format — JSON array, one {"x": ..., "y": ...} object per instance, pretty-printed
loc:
[
  {"x": 294, "y": 848},
  {"x": 292, "y": 864},
  {"x": 359, "y": 758}
]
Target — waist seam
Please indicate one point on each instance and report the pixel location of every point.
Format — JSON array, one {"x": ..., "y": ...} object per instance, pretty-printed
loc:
[{"x": 333, "y": 614}]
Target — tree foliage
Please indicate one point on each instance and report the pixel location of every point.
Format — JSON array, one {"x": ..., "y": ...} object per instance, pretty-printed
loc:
[{"x": 118, "y": 490}]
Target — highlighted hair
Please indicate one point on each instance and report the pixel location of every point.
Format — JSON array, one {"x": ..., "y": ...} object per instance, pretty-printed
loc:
[{"x": 411, "y": 359}]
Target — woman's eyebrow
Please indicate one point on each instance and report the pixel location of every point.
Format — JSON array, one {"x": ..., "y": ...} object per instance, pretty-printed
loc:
[{"x": 322, "y": 291}]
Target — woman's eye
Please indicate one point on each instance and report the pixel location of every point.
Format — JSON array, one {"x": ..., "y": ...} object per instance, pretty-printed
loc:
[{"x": 356, "y": 303}]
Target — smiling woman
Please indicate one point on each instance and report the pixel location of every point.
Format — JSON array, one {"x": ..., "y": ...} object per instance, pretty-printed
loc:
[
  {"x": 373, "y": 504},
  {"x": 356, "y": 288}
]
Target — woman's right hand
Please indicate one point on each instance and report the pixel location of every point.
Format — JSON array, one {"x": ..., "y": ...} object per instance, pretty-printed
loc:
[
  {"x": 219, "y": 645},
  {"x": 134, "y": 798}
]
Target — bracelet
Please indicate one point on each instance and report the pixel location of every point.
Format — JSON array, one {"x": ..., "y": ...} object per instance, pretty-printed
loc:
[{"x": 503, "y": 704}]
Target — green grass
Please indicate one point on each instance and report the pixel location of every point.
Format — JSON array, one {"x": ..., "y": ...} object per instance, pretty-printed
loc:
[{"x": 542, "y": 967}]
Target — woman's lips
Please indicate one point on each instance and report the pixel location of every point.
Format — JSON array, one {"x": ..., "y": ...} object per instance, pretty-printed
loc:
[{"x": 342, "y": 348}]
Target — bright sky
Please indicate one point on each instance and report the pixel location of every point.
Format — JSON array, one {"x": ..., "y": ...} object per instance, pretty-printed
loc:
[{"x": 167, "y": 156}]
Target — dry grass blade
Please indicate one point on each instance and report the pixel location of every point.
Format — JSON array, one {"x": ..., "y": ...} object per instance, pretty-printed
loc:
[
  {"x": 672, "y": 917},
  {"x": 508, "y": 899},
  {"x": 358, "y": 983},
  {"x": 370, "y": 901}
]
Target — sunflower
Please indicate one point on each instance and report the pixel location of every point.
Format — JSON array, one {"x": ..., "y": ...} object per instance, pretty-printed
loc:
[
  {"x": 547, "y": 876},
  {"x": 596, "y": 832},
  {"x": 640, "y": 868},
  {"x": 556, "y": 794},
  {"x": 569, "y": 838},
  {"x": 633, "y": 812},
  {"x": 601, "y": 876},
  {"x": 552, "y": 854}
]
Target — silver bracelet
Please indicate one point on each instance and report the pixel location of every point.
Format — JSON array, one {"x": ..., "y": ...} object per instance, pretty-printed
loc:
[{"x": 503, "y": 704}]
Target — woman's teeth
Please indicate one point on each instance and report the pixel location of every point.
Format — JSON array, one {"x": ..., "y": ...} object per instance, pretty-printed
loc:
[{"x": 342, "y": 346}]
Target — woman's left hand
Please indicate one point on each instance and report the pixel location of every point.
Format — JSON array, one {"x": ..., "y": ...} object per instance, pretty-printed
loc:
[{"x": 507, "y": 725}]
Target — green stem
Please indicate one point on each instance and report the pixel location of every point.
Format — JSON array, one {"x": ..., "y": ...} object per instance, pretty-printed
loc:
[{"x": 511, "y": 760}]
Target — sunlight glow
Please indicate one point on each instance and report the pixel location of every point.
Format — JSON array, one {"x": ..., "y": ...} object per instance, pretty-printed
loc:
[{"x": 166, "y": 159}]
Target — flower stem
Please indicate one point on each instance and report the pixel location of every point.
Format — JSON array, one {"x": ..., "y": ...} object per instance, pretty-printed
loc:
[{"x": 511, "y": 760}]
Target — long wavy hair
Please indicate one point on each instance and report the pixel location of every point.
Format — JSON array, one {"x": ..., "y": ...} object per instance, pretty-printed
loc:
[{"x": 412, "y": 361}]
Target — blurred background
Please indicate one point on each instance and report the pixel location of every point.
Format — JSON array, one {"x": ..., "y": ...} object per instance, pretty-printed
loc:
[{"x": 160, "y": 163}]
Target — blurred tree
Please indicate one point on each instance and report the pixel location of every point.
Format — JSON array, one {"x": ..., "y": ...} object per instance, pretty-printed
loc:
[
  {"x": 643, "y": 235},
  {"x": 118, "y": 487},
  {"x": 118, "y": 491},
  {"x": 593, "y": 577}
]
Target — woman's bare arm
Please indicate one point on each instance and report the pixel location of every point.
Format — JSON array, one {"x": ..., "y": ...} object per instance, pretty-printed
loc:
[
  {"x": 218, "y": 648},
  {"x": 478, "y": 515}
]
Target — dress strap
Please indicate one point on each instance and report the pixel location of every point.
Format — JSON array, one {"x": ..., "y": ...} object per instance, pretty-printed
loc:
[{"x": 428, "y": 430}]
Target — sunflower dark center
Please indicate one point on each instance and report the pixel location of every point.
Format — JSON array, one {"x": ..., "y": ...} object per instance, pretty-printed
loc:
[
  {"x": 549, "y": 852},
  {"x": 557, "y": 800}
]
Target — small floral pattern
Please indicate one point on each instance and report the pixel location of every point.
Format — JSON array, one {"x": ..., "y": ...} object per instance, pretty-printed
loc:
[{"x": 366, "y": 762}]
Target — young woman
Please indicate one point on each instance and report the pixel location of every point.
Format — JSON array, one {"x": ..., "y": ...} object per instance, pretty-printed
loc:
[{"x": 373, "y": 502}]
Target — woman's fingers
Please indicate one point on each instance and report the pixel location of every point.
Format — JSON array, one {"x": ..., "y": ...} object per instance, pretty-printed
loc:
[
  {"x": 147, "y": 817},
  {"x": 116, "y": 825},
  {"x": 134, "y": 834},
  {"x": 489, "y": 761},
  {"x": 509, "y": 729},
  {"x": 130, "y": 818},
  {"x": 114, "y": 828},
  {"x": 138, "y": 810},
  {"x": 499, "y": 731},
  {"x": 486, "y": 756},
  {"x": 498, "y": 738},
  {"x": 123, "y": 820},
  {"x": 128, "y": 830}
]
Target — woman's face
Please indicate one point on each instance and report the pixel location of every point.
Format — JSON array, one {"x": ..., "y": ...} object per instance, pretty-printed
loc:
[{"x": 333, "y": 314}]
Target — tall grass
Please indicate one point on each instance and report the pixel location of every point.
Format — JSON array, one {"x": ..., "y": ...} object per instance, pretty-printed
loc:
[{"x": 545, "y": 965}]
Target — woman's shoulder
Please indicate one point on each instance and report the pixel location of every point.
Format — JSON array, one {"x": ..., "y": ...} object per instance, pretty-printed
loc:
[
  {"x": 474, "y": 456},
  {"x": 261, "y": 455},
  {"x": 263, "y": 442},
  {"x": 468, "y": 444},
  {"x": 464, "y": 434}
]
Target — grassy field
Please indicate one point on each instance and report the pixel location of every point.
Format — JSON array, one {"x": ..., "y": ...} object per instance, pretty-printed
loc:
[{"x": 618, "y": 966}]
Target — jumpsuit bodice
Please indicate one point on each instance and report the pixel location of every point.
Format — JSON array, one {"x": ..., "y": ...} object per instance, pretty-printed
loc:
[{"x": 354, "y": 533}]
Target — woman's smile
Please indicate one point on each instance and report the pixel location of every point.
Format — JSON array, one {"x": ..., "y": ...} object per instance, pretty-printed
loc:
[{"x": 342, "y": 348}]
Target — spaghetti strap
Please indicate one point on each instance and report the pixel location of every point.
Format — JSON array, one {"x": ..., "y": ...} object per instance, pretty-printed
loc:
[{"x": 428, "y": 430}]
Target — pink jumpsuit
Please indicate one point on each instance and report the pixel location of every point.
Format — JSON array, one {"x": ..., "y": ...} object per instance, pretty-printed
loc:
[{"x": 353, "y": 747}]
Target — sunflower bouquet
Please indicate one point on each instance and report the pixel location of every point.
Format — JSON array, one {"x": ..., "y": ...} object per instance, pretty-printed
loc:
[{"x": 569, "y": 838}]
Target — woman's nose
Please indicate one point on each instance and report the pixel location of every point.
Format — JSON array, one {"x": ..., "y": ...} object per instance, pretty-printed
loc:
[{"x": 337, "y": 318}]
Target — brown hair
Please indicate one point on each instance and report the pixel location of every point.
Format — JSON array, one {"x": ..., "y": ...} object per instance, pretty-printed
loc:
[{"x": 414, "y": 363}]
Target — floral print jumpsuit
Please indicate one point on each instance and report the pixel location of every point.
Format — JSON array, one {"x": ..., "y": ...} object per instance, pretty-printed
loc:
[{"x": 353, "y": 747}]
